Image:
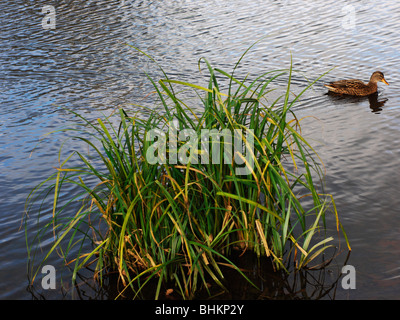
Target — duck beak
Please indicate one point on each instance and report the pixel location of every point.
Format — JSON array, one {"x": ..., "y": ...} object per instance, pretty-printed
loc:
[{"x": 385, "y": 82}]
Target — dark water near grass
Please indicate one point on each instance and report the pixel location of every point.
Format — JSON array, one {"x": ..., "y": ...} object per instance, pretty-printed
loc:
[{"x": 83, "y": 65}]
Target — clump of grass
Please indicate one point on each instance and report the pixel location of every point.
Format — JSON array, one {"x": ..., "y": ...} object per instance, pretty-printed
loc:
[{"x": 176, "y": 222}]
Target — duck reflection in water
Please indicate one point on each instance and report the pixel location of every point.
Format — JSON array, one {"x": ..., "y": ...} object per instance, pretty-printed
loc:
[{"x": 375, "y": 104}]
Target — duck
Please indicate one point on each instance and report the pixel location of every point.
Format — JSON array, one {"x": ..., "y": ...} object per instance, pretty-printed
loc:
[{"x": 356, "y": 87}]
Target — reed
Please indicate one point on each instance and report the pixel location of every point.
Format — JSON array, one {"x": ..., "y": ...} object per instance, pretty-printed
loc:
[{"x": 176, "y": 219}]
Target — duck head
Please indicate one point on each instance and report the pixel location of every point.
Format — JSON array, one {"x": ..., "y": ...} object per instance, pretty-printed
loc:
[{"x": 378, "y": 76}]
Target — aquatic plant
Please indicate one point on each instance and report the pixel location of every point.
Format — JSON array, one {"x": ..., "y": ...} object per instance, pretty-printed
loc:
[{"x": 168, "y": 211}]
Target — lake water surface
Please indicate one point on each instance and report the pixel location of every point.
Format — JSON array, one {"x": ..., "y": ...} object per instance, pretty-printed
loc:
[{"x": 84, "y": 65}]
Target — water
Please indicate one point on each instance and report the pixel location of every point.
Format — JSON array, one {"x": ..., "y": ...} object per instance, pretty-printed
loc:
[{"x": 84, "y": 65}]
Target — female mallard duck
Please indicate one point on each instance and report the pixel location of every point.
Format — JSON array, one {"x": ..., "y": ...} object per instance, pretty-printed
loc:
[{"x": 357, "y": 87}]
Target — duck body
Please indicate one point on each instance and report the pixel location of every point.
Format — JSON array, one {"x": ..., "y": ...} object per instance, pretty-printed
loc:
[{"x": 356, "y": 87}]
